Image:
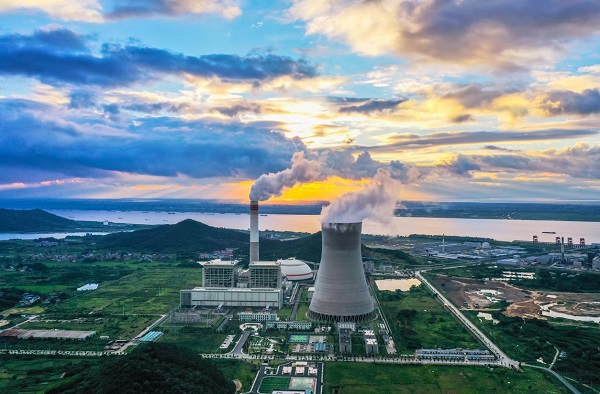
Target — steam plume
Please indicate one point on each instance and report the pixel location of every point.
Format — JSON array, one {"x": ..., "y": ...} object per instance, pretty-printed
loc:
[
  {"x": 376, "y": 202},
  {"x": 302, "y": 170}
]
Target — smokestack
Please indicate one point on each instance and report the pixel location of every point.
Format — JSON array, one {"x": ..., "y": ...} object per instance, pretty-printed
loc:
[
  {"x": 253, "y": 231},
  {"x": 341, "y": 291}
]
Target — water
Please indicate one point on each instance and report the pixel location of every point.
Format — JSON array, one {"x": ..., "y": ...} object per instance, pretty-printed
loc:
[
  {"x": 397, "y": 284},
  {"x": 546, "y": 311},
  {"x": 501, "y": 230},
  {"x": 9, "y": 236}
]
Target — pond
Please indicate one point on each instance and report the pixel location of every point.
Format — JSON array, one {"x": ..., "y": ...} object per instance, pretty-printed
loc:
[{"x": 397, "y": 284}]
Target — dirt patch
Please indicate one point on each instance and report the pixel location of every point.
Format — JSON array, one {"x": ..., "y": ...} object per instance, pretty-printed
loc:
[{"x": 476, "y": 294}]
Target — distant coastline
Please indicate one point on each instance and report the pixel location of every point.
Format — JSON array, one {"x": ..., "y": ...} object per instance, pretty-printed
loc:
[{"x": 559, "y": 211}]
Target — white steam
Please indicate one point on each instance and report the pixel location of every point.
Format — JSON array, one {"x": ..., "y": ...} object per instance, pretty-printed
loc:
[
  {"x": 376, "y": 202},
  {"x": 301, "y": 171}
]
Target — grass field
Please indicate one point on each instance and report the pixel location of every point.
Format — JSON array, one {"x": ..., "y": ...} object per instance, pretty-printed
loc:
[
  {"x": 198, "y": 339},
  {"x": 236, "y": 369},
  {"x": 33, "y": 374},
  {"x": 418, "y": 320},
  {"x": 271, "y": 383},
  {"x": 363, "y": 378}
]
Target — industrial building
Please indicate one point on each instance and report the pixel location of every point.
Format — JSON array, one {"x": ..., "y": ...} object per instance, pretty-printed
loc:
[
  {"x": 345, "y": 341},
  {"x": 258, "y": 316},
  {"x": 219, "y": 273},
  {"x": 295, "y": 270},
  {"x": 225, "y": 284},
  {"x": 265, "y": 275},
  {"x": 289, "y": 325},
  {"x": 231, "y": 297},
  {"x": 341, "y": 290}
]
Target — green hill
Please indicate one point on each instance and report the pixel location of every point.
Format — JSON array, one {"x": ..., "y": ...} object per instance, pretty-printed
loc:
[
  {"x": 305, "y": 248},
  {"x": 12, "y": 220},
  {"x": 185, "y": 236}
]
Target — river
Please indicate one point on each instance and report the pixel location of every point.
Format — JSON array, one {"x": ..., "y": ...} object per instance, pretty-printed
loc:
[{"x": 502, "y": 230}]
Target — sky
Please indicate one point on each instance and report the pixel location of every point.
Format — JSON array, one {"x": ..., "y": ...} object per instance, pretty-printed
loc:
[{"x": 456, "y": 100}]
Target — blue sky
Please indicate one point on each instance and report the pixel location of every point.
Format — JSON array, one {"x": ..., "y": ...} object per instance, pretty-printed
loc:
[{"x": 456, "y": 100}]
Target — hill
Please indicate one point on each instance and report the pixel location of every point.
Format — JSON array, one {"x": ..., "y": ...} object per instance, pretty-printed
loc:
[
  {"x": 185, "y": 236},
  {"x": 192, "y": 236},
  {"x": 13, "y": 220},
  {"x": 305, "y": 248}
]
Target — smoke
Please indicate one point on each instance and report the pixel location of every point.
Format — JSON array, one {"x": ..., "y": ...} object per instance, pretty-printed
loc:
[
  {"x": 302, "y": 170},
  {"x": 376, "y": 202},
  {"x": 319, "y": 165}
]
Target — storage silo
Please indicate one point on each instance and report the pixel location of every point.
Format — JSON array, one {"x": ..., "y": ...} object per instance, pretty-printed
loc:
[{"x": 341, "y": 290}]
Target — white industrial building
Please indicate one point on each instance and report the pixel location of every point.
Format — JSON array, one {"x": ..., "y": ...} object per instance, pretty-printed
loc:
[
  {"x": 295, "y": 270},
  {"x": 289, "y": 325},
  {"x": 232, "y": 297},
  {"x": 257, "y": 316}
]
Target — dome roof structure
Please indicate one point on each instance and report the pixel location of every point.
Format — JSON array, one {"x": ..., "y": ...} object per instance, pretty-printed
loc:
[{"x": 295, "y": 270}]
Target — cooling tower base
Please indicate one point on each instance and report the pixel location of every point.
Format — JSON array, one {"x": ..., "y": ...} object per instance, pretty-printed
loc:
[{"x": 322, "y": 318}]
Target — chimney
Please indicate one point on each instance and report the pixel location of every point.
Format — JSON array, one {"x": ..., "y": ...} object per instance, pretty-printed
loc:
[{"x": 253, "y": 231}]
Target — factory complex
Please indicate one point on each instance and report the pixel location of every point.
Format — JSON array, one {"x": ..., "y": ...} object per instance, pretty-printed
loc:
[{"x": 341, "y": 292}]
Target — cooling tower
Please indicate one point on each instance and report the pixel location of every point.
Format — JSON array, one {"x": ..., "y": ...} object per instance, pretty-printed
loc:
[
  {"x": 341, "y": 291},
  {"x": 253, "y": 231}
]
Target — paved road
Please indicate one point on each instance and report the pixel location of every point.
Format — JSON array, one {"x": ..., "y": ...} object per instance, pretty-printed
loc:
[
  {"x": 558, "y": 376},
  {"x": 502, "y": 357},
  {"x": 239, "y": 346}
]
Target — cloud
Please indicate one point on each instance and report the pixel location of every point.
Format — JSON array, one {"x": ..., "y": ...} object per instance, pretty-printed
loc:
[
  {"x": 93, "y": 11},
  {"x": 579, "y": 161},
  {"x": 39, "y": 142},
  {"x": 61, "y": 56},
  {"x": 414, "y": 141},
  {"x": 122, "y": 9},
  {"x": 372, "y": 105},
  {"x": 567, "y": 102},
  {"x": 503, "y": 34},
  {"x": 68, "y": 10}
]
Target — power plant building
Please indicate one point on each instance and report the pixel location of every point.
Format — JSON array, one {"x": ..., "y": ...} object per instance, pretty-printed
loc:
[
  {"x": 341, "y": 290},
  {"x": 219, "y": 273},
  {"x": 231, "y": 297},
  {"x": 265, "y": 274}
]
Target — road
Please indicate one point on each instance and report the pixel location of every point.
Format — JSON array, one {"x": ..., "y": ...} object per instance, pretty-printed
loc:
[
  {"x": 502, "y": 357},
  {"x": 134, "y": 341},
  {"x": 239, "y": 346},
  {"x": 558, "y": 376}
]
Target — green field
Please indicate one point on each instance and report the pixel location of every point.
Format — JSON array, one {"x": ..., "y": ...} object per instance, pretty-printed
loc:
[
  {"x": 196, "y": 338},
  {"x": 271, "y": 383},
  {"x": 130, "y": 297},
  {"x": 28, "y": 374},
  {"x": 418, "y": 320},
  {"x": 368, "y": 378},
  {"x": 236, "y": 369}
]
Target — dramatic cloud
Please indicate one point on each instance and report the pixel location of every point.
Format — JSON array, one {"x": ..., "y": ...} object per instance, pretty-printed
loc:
[
  {"x": 501, "y": 33},
  {"x": 61, "y": 56},
  {"x": 149, "y": 8},
  {"x": 98, "y": 11},
  {"x": 579, "y": 161},
  {"x": 33, "y": 141},
  {"x": 80, "y": 10},
  {"x": 372, "y": 105},
  {"x": 414, "y": 141},
  {"x": 567, "y": 102}
]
